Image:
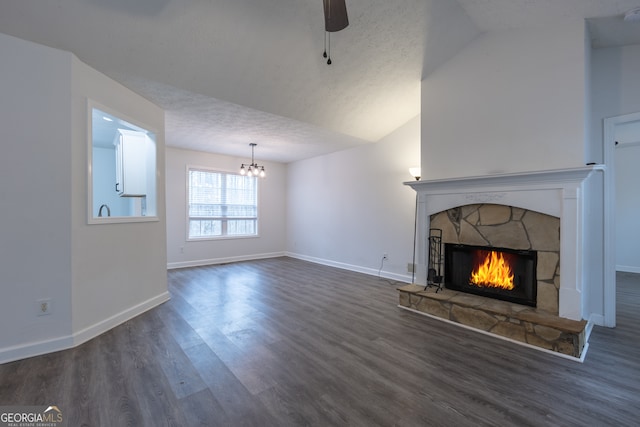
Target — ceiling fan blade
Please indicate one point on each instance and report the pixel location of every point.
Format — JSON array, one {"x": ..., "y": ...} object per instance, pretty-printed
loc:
[{"x": 335, "y": 15}]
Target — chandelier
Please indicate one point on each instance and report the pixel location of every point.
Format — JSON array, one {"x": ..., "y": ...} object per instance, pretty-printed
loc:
[{"x": 252, "y": 169}]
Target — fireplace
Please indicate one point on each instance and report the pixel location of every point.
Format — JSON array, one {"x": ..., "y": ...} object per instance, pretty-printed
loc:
[
  {"x": 556, "y": 193},
  {"x": 500, "y": 273},
  {"x": 540, "y": 216}
]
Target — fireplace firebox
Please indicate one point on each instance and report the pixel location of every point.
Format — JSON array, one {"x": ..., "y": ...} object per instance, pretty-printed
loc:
[{"x": 500, "y": 273}]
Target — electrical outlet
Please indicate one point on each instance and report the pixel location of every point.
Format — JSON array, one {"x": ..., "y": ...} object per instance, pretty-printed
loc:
[
  {"x": 43, "y": 307},
  {"x": 411, "y": 268}
]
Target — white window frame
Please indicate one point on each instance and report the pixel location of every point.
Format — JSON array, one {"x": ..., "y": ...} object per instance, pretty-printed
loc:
[
  {"x": 152, "y": 200},
  {"x": 222, "y": 236}
]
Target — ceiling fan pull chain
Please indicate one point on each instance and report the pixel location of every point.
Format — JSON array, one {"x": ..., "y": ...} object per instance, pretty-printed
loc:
[
  {"x": 335, "y": 19},
  {"x": 324, "y": 54}
]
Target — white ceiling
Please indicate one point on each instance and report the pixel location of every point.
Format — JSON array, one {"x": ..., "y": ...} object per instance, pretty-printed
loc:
[{"x": 231, "y": 72}]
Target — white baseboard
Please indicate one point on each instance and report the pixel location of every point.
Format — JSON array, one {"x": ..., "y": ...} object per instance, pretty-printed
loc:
[
  {"x": 358, "y": 269},
  {"x": 103, "y": 326},
  {"x": 595, "y": 319},
  {"x": 214, "y": 261},
  {"x": 628, "y": 268},
  {"x": 38, "y": 348},
  {"x": 23, "y": 351}
]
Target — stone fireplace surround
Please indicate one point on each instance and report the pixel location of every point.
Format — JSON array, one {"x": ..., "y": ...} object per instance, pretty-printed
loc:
[
  {"x": 500, "y": 226},
  {"x": 557, "y": 193}
]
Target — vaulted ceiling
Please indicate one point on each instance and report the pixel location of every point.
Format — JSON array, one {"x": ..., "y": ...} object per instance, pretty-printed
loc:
[{"x": 231, "y": 72}]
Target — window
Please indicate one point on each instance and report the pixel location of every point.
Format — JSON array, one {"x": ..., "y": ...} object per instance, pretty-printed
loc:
[
  {"x": 222, "y": 204},
  {"x": 122, "y": 168}
]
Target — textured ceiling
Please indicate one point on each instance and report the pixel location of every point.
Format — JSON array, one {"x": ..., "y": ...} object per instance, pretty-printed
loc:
[
  {"x": 231, "y": 72},
  {"x": 492, "y": 15},
  {"x": 606, "y": 25}
]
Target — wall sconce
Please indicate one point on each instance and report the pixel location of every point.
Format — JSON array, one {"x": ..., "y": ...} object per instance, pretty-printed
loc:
[
  {"x": 252, "y": 169},
  {"x": 415, "y": 172}
]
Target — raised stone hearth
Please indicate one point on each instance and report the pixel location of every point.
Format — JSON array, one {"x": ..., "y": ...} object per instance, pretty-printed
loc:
[{"x": 513, "y": 321}]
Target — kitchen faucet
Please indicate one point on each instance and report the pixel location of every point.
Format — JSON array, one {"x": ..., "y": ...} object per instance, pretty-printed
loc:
[{"x": 100, "y": 210}]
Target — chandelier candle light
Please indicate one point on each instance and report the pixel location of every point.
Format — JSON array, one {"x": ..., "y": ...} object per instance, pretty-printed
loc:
[{"x": 252, "y": 169}]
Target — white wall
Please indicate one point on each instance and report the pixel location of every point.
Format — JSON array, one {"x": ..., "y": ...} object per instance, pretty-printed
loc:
[
  {"x": 627, "y": 176},
  {"x": 272, "y": 215},
  {"x": 348, "y": 208},
  {"x": 615, "y": 91},
  {"x": 593, "y": 246},
  {"x": 119, "y": 270},
  {"x": 98, "y": 275},
  {"x": 593, "y": 231},
  {"x": 35, "y": 178},
  {"x": 511, "y": 101}
]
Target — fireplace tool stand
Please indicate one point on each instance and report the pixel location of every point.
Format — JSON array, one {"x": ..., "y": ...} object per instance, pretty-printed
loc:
[{"x": 435, "y": 260}]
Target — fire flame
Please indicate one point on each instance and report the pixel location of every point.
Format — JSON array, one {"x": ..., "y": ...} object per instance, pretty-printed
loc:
[{"x": 494, "y": 272}]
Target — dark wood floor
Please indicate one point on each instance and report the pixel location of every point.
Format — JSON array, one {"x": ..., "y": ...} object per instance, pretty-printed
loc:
[{"x": 282, "y": 342}]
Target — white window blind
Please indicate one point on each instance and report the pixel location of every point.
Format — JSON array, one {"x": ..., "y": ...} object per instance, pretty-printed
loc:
[{"x": 222, "y": 204}]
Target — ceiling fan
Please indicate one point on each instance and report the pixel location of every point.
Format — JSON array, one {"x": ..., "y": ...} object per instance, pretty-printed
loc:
[{"x": 335, "y": 19}]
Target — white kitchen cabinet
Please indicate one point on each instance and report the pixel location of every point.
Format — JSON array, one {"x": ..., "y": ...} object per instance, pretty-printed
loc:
[{"x": 131, "y": 163}]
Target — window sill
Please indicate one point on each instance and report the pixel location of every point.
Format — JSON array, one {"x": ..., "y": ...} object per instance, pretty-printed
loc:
[
  {"x": 122, "y": 219},
  {"x": 210, "y": 238}
]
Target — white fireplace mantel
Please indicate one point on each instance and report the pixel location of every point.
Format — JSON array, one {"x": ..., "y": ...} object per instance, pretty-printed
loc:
[{"x": 558, "y": 192}]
